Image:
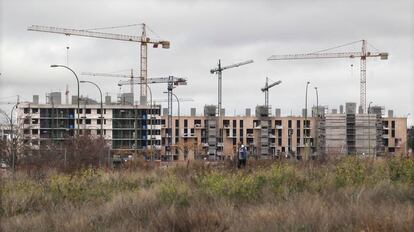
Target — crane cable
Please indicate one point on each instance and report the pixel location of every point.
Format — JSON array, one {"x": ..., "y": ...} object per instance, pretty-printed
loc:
[
  {"x": 114, "y": 27},
  {"x": 343, "y": 45}
]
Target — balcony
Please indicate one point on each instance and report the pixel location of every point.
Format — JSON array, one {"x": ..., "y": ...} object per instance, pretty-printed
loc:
[{"x": 249, "y": 135}]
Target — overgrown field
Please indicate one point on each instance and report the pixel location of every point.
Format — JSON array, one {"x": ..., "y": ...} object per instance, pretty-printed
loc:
[{"x": 349, "y": 194}]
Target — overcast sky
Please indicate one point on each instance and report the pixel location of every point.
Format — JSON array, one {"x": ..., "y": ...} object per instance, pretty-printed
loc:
[{"x": 201, "y": 32}]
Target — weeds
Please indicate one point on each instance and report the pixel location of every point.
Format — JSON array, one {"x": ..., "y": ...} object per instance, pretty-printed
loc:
[{"x": 340, "y": 195}]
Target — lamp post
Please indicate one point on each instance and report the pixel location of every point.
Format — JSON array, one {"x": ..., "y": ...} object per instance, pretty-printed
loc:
[
  {"x": 178, "y": 113},
  {"x": 369, "y": 128},
  {"x": 77, "y": 79},
  {"x": 317, "y": 118},
  {"x": 100, "y": 92},
  {"x": 11, "y": 137},
  {"x": 178, "y": 101},
  {"x": 151, "y": 121},
  {"x": 306, "y": 116}
]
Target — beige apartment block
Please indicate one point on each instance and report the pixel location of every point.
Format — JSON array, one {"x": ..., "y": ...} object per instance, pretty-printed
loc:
[{"x": 286, "y": 135}]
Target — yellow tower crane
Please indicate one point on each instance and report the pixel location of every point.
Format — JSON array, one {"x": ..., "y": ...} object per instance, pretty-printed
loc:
[
  {"x": 143, "y": 40},
  {"x": 363, "y": 54}
]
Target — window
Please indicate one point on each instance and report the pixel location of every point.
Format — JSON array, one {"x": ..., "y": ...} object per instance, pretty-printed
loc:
[
  {"x": 241, "y": 132},
  {"x": 35, "y": 110},
  {"x": 35, "y": 121},
  {"x": 289, "y": 123},
  {"x": 80, "y": 111},
  {"x": 298, "y": 124},
  {"x": 98, "y": 111},
  {"x": 392, "y": 124},
  {"x": 241, "y": 123},
  {"x": 185, "y": 123},
  {"x": 35, "y": 131},
  {"x": 26, "y": 121},
  {"x": 26, "y": 110},
  {"x": 226, "y": 123},
  {"x": 26, "y": 131},
  {"x": 98, "y": 121},
  {"x": 234, "y": 123},
  {"x": 88, "y": 121},
  {"x": 177, "y": 123},
  {"x": 88, "y": 111},
  {"x": 104, "y": 111}
]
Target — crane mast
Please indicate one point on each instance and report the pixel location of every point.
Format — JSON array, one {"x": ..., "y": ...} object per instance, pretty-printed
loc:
[
  {"x": 171, "y": 82},
  {"x": 266, "y": 88},
  {"x": 219, "y": 71},
  {"x": 363, "y": 64},
  {"x": 143, "y": 40}
]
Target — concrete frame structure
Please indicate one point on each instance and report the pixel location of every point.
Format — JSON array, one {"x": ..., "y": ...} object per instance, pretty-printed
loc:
[{"x": 128, "y": 127}]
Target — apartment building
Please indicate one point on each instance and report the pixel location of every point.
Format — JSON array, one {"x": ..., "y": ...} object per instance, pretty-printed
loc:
[
  {"x": 124, "y": 127},
  {"x": 128, "y": 127},
  {"x": 264, "y": 137}
]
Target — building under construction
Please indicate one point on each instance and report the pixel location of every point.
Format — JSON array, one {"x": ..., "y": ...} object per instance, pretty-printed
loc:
[
  {"x": 123, "y": 125},
  {"x": 129, "y": 127}
]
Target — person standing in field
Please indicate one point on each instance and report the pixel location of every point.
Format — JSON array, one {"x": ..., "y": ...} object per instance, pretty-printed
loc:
[{"x": 242, "y": 157}]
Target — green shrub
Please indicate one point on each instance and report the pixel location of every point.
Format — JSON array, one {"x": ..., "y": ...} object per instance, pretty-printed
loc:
[
  {"x": 174, "y": 191},
  {"x": 401, "y": 170},
  {"x": 349, "y": 171}
]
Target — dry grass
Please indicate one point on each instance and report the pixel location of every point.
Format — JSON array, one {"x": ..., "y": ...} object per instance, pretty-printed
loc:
[{"x": 342, "y": 195}]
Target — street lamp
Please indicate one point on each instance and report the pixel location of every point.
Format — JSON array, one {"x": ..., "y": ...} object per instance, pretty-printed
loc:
[
  {"x": 369, "y": 129},
  {"x": 317, "y": 118},
  {"x": 178, "y": 113},
  {"x": 151, "y": 121},
  {"x": 306, "y": 116},
  {"x": 178, "y": 101},
  {"x": 77, "y": 79},
  {"x": 100, "y": 92}
]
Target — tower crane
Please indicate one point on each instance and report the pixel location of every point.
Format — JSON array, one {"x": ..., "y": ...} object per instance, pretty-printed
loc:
[
  {"x": 171, "y": 82},
  {"x": 143, "y": 40},
  {"x": 363, "y": 54},
  {"x": 219, "y": 71},
  {"x": 266, "y": 88}
]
